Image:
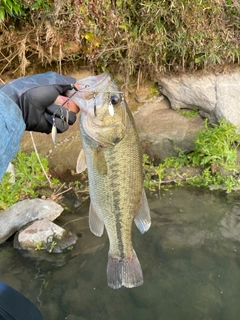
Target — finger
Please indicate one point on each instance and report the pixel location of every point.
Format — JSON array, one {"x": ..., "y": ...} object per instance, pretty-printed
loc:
[
  {"x": 71, "y": 105},
  {"x": 62, "y": 113},
  {"x": 61, "y": 125},
  {"x": 62, "y": 88}
]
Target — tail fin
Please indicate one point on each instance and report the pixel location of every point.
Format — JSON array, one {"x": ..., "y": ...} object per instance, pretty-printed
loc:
[{"x": 127, "y": 272}]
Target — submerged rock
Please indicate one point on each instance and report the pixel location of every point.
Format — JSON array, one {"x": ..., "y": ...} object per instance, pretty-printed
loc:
[
  {"x": 230, "y": 224},
  {"x": 44, "y": 235},
  {"x": 23, "y": 212}
]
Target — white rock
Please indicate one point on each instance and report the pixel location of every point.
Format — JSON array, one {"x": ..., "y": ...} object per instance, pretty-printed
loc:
[
  {"x": 44, "y": 234},
  {"x": 23, "y": 212},
  {"x": 215, "y": 95}
]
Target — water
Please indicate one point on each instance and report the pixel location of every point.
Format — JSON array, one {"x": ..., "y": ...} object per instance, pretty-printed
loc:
[{"x": 190, "y": 259}]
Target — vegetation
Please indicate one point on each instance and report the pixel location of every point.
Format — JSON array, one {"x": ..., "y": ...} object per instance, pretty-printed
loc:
[
  {"x": 139, "y": 37},
  {"x": 213, "y": 163},
  {"x": 10, "y": 7},
  {"x": 28, "y": 178}
]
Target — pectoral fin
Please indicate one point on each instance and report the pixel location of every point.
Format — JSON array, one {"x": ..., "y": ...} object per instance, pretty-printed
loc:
[
  {"x": 99, "y": 162},
  {"x": 143, "y": 218},
  {"x": 81, "y": 162},
  {"x": 95, "y": 223}
]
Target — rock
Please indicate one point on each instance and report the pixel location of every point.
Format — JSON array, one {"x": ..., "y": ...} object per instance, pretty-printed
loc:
[
  {"x": 23, "y": 212},
  {"x": 161, "y": 129},
  {"x": 52, "y": 310},
  {"x": 230, "y": 224},
  {"x": 44, "y": 235},
  {"x": 62, "y": 157},
  {"x": 79, "y": 297},
  {"x": 58, "y": 260},
  {"x": 215, "y": 95}
]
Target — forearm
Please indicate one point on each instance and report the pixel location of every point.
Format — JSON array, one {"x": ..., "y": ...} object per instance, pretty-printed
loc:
[{"x": 12, "y": 128}]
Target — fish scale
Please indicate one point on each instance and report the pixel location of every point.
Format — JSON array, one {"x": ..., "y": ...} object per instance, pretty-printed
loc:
[{"x": 114, "y": 162}]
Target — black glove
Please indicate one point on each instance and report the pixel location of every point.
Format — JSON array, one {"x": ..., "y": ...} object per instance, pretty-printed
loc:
[
  {"x": 38, "y": 109},
  {"x": 35, "y": 96}
]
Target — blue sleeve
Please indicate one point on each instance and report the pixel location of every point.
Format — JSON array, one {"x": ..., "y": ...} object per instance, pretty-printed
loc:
[
  {"x": 15, "y": 306},
  {"x": 12, "y": 128}
]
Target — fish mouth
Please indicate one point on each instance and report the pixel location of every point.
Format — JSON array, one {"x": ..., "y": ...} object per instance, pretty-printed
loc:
[{"x": 95, "y": 83}]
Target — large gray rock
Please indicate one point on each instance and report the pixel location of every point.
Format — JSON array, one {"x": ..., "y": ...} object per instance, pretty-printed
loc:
[
  {"x": 23, "y": 212},
  {"x": 215, "y": 95},
  {"x": 161, "y": 129}
]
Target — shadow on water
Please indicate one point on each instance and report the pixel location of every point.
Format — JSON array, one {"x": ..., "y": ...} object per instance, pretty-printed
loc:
[{"x": 190, "y": 259}]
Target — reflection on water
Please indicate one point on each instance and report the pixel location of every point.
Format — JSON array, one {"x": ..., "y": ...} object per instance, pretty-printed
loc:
[{"x": 190, "y": 259}]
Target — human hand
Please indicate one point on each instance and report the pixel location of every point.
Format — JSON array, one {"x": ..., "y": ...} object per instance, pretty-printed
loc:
[{"x": 39, "y": 97}]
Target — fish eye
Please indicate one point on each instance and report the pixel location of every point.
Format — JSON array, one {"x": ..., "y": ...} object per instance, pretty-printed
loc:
[{"x": 114, "y": 99}]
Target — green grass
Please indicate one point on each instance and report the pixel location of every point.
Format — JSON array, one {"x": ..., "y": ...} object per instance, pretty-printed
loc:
[
  {"x": 29, "y": 178},
  {"x": 213, "y": 161},
  {"x": 136, "y": 37}
]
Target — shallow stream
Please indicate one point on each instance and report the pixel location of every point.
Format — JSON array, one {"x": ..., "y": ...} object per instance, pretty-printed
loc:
[{"x": 190, "y": 259}]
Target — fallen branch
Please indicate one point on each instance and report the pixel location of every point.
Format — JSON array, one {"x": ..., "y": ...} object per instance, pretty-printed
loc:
[{"x": 37, "y": 154}]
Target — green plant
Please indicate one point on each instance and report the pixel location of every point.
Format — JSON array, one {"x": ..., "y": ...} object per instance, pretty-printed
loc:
[
  {"x": 216, "y": 145},
  {"x": 160, "y": 171},
  {"x": 215, "y": 148},
  {"x": 28, "y": 178},
  {"x": 136, "y": 36},
  {"x": 20, "y": 9},
  {"x": 149, "y": 172},
  {"x": 10, "y": 7},
  {"x": 41, "y": 5},
  {"x": 190, "y": 113},
  {"x": 38, "y": 246},
  {"x": 53, "y": 244}
]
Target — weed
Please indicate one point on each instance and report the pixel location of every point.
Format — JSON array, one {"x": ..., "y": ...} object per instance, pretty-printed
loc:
[
  {"x": 11, "y": 8},
  {"x": 216, "y": 145},
  {"x": 149, "y": 172},
  {"x": 215, "y": 153},
  {"x": 28, "y": 178},
  {"x": 39, "y": 246},
  {"x": 53, "y": 245},
  {"x": 190, "y": 113},
  {"x": 146, "y": 36}
]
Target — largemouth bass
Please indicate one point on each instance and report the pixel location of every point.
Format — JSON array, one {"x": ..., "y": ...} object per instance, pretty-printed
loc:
[{"x": 111, "y": 152}]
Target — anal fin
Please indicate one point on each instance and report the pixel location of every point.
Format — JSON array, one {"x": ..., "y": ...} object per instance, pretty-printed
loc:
[
  {"x": 143, "y": 218},
  {"x": 95, "y": 223}
]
